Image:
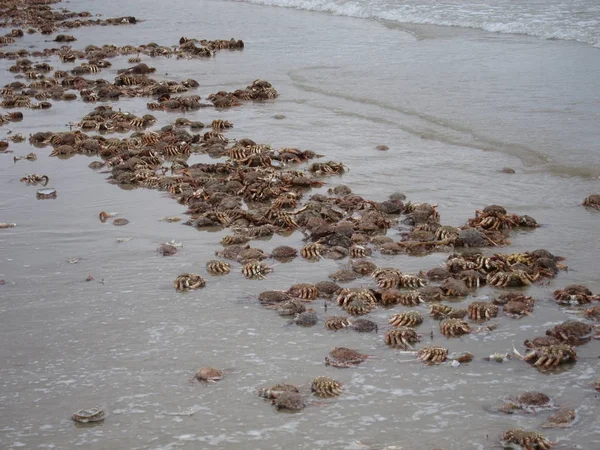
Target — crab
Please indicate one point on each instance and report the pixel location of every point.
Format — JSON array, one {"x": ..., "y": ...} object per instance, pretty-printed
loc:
[
  {"x": 562, "y": 418},
  {"x": 472, "y": 278},
  {"x": 167, "y": 249},
  {"x": 530, "y": 402},
  {"x": 541, "y": 341},
  {"x": 347, "y": 295},
  {"x": 515, "y": 278},
  {"x": 304, "y": 291},
  {"x": 209, "y": 375},
  {"x": 592, "y": 201},
  {"x": 291, "y": 308},
  {"x": 326, "y": 387},
  {"x": 402, "y": 337},
  {"x": 574, "y": 294},
  {"x": 527, "y": 440},
  {"x": 454, "y": 327},
  {"x": 307, "y": 318},
  {"x": 343, "y": 357},
  {"x": 327, "y": 288},
  {"x": 454, "y": 288},
  {"x": 216, "y": 267},
  {"x": 516, "y": 309},
  {"x": 482, "y": 311},
  {"x": 273, "y": 297},
  {"x": 120, "y": 222},
  {"x": 284, "y": 253},
  {"x": 188, "y": 281},
  {"x": 35, "y": 178},
  {"x": 433, "y": 355},
  {"x": 550, "y": 356},
  {"x": 572, "y": 332},
  {"x": 275, "y": 391},
  {"x": 88, "y": 415},
  {"x": 592, "y": 313},
  {"x": 290, "y": 401},
  {"x": 431, "y": 294},
  {"x": 256, "y": 270},
  {"x": 335, "y": 323},
  {"x": 312, "y": 251},
  {"x": 387, "y": 277},
  {"x": 363, "y": 325},
  {"x": 360, "y": 251},
  {"x": 494, "y": 217},
  {"x": 406, "y": 319},
  {"x": 359, "y": 306},
  {"x": 439, "y": 311}
]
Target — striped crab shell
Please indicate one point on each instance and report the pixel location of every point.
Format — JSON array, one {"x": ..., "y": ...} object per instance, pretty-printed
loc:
[
  {"x": 406, "y": 319},
  {"x": 217, "y": 267},
  {"x": 432, "y": 354},
  {"x": 347, "y": 295},
  {"x": 188, "y": 281},
  {"x": 402, "y": 337},
  {"x": 304, "y": 291},
  {"x": 454, "y": 327},
  {"x": 312, "y": 251},
  {"x": 256, "y": 270},
  {"x": 326, "y": 387},
  {"x": 359, "y": 306},
  {"x": 335, "y": 323},
  {"x": 387, "y": 277}
]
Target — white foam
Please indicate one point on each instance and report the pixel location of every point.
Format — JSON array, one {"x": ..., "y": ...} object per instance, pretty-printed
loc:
[{"x": 577, "y": 20}]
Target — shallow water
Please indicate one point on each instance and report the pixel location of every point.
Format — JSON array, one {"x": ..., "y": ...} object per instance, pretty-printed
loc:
[{"x": 454, "y": 106}]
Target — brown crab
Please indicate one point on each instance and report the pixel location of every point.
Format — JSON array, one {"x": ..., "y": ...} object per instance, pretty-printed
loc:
[
  {"x": 304, "y": 291},
  {"x": 440, "y": 311},
  {"x": 530, "y": 402},
  {"x": 406, "y": 319},
  {"x": 209, "y": 375},
  {"x": 274, "y": 391},
  {"x": 429, "y": 294},
  {"x": 454, "y": 288},
  {"x": 35, "y": 178},
  {"x": 359, "y": 306},
  {"x": 482, "y": 311},
  {"x": 347, "y": 295},
  {"x": 167, "y": 249},
  {"x": 328, "y": 288},
  {"x": 284, "y": 253},
  {"x": 326, "y": 387},
  {"x": 592, "y": 313},
  {"x": 188, "y": 281},
  {"x": 572, "y": 332},
  {"x": 387, "y": 277},
  {"x": 551, "y": 356},
  {"x": 541, "y": 341},
  {"x": 216, "y": 267},
  {"x": 290, "y": 401},
  {"x": 256, "y": 270},
  {"x": 515, "y": 278},
  {"x": 343, "y": 357},
  {"x": 432, "y": 354},
  {"x": 335, "y": 323},
  {"x": 307, "y": 318},
  {"x": 454, "y": 327},
  {"x": 527, "y": 440},
  {"x": 402, "y": 337},
  {"x": 574, "y": 294},
  {"x": 363, "y": 325},
  {"x": 592, "y": 201},
  {"x": 291, "y": 307},
  {"x": 562, "y": 418}
]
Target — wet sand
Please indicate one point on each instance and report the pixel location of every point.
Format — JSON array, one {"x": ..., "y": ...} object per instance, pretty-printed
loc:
[{"x": 132, "y": 343}]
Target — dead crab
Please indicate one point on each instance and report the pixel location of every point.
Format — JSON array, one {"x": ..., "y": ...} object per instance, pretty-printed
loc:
[
  {"x": 574, "y": 294},
  {"x": 572, "y": 332},
  {"x": 290, "y": 401},
  {"x": 188, "y": 281},
  {"x": 359, "y": 306},
  {"x": 304, "y": 291},
  {"x": 275, "y": 391},
  {"x": 256, "y": 270},
  {"x": 562, "y": 418},
  {"x": 592, "y": 201},
  {"x": 494, "y": 217},
  {"x": 530, "y": 402},
  {"x": 440, "y": 311},
  {"x": 402, "y": 337},
  {"x": 209, "y": 375},
  {"x": 335, "y": 323},
  {"x": 433, "y": 355},
  {"x": 291, "y": 308},
  {"x": 326, "y": 387},
  {"x": 515, "y": 278},
  {"x": 406, "y": 319},
  {"x": 35, "y": 178},
  {"x": 550, "y": 356},
  {"x": 217, "y": 267},
  {"x": 363, "y": 325},
  {"x": 454, "y": 288},
  {"x": 88, "y": 415},
  {"x": 454, "y": 327},
  {"x": 343, "y": 357},
  {"x": 347, "y": 295},
  {"x": 482, "y": 311},
  {"x": 527, "y": 440}
]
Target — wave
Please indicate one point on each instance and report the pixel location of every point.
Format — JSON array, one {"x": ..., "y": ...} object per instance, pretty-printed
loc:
[{"x": 577, "y": 20}]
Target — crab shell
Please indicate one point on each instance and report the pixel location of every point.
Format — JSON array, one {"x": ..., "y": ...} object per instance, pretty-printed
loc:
[
  {"x": 88, "y": 415},
  {"x": 359, "y": 307},
  {"x": 408, "y": 319},
  {"x": 454, "y": 327},
  {"x": 289, "y": 400},
  {"x": 551, "y": 356},
  {"x": 216, "y": 267},
  {"x": 274, "y": 391},
  {"x": 208, "y": 374},
  {"x": 482, "y": 311},
  {"x": 326, "y": 387},
  {"x": 335, "y": 323},
  {"x": 304, "y": 291},
  {"x": 401, "y": 337},
  {"x": 433, "y": 355},
  {"x": 188, "y": 281},
  {"x": 528, "y": 440},
  {"x": 343, "y": 357}
]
